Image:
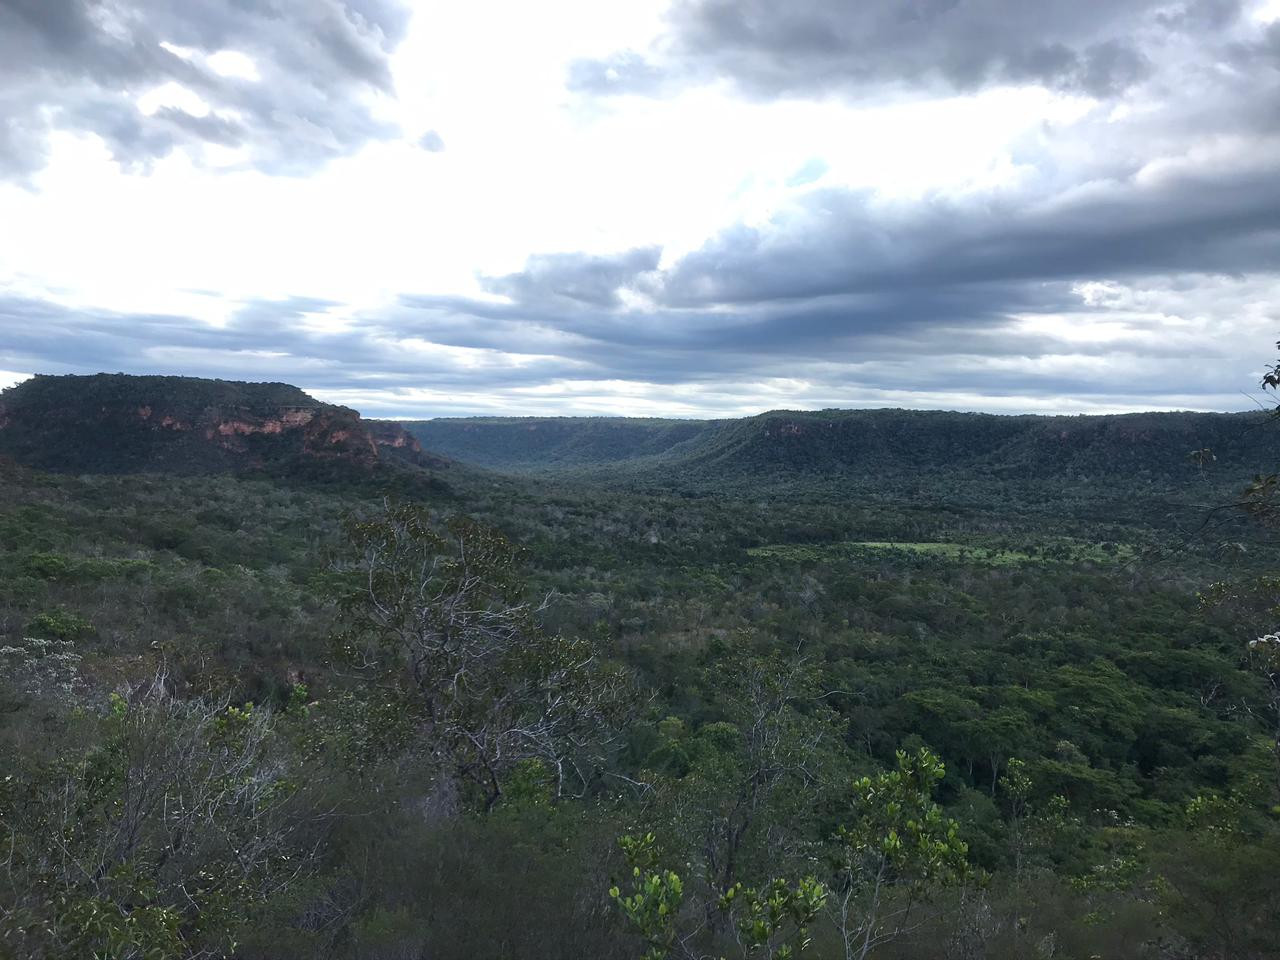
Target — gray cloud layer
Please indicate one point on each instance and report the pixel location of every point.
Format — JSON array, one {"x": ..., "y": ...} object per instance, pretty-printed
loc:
[
  {"x": 81, "y": 65},
  {"x": 842, "y": 292},
  {"x": 819, "y": 47},
  {"x": 576, "y": 279}
]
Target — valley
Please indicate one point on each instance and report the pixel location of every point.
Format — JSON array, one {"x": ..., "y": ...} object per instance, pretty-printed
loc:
[{"x": 761, "y": 612}]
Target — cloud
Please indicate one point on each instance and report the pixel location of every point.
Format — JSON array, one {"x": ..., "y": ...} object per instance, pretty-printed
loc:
[
  {"x": 576, "y": 279},
  {"x": 835, "y": 242},
  {"x": 810, "y": 48},
  {"x": 1147, "y": 288},
  {"x": 856, "y": 290},
  {"x": 1105, "y": 243},
  {"x": 268, "y": 339},
  {"x": 288, "y": 83},
  {"x": 1145, "y": 348},
  {"x": 623, "y": 72}
]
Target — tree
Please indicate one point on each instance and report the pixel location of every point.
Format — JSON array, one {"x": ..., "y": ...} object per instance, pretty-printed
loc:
[
  {"x": 1264, "y": 657},
  {"x": 895, "y": 852},
  {"x": 159, "y": 839},
  {"x": 753, "y": 781},
  {"x": 1261, "y": 501},
  {"x": 1017, "y": 787},
  {"x": 438, "y": 623},
  {"x": 1213, "y": 877}
]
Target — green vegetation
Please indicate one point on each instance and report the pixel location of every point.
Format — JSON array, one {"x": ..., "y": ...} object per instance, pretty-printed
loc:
[
  {"x": 978, "y": 710},
  {"x": 1033, "y": 460},
  {"x": 1056, "y": 551},
  {"x": 547, "y": 443}
]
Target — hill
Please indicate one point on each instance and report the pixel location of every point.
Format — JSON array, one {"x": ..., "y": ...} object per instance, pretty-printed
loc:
[
  {"x": 115, "y": 423},
  {"x": 854, "y": 446}
]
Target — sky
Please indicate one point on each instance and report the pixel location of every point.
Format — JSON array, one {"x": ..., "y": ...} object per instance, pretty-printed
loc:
[{"x": 646, "y": 207}]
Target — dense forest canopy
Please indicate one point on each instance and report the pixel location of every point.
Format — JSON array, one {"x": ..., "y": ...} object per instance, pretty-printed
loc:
[{"x": 847, "y": 684}]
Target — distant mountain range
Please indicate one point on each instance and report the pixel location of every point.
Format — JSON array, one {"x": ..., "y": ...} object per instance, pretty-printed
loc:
[
  {"x": 114, "y": 423},
  {"x": 857, "y": 445}
]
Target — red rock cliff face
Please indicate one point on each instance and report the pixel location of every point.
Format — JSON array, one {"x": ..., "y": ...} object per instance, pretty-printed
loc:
[
  {"x": 330, "y": 433},
  {"x": 388, "y": 434},
  {"x": 340, "y": 437},
  {"x": 323, "y": 432},
  {"x": 395, "y": 440},
  {"x": 287, "y": 420}
]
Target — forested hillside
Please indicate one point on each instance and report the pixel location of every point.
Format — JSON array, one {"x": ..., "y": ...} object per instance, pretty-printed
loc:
[
  {"x": 929, "y": 685},
  {"x": 112, "y": 423},
  {"x": 863, "y": 447},
  {"x": 532, "y": 443}
]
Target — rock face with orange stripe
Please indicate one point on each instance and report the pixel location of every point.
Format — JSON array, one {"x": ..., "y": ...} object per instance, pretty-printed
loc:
[{"x": 115, "y": 423}]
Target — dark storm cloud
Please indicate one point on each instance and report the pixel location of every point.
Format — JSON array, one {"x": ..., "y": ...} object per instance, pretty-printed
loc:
[
  {"x": 80, "y": 65},
  {"x": 953, "y": 337},
  {"x": 819, "y": 47}
]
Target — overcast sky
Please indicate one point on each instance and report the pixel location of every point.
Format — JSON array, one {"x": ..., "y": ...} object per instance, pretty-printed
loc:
[{"x": 706, "y": 207}]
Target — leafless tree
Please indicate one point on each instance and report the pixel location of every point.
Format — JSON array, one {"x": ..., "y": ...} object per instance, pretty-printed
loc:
[{"x": 183, "y": 816}]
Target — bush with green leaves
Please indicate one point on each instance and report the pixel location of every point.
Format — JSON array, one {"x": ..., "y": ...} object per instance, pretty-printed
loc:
[
  {"x": 773, "y": 920},
  {"x": 896, "y": 851},
  {"x": 770, "y": 921},
  {"x": 59, "y": 625},
  {"x": 654, "y": 897}
]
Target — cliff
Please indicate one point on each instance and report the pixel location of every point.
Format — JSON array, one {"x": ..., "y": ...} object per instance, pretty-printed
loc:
[{"x": 115, "y": 423}]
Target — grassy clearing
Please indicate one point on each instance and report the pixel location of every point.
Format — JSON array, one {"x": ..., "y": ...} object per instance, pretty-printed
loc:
[{"x": 1060, "y": 550}]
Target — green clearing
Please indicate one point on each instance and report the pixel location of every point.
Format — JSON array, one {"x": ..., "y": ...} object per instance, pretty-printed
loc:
[{"x": 1057, "y": 550}]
